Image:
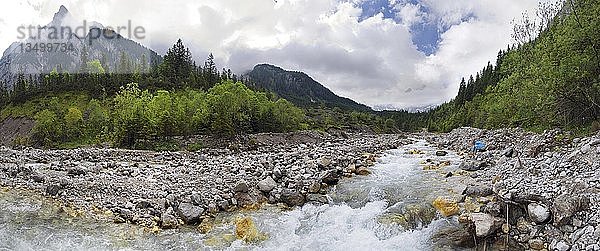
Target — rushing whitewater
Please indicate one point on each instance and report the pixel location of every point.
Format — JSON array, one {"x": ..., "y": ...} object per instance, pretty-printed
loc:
[{"x": 387, "y": 210}]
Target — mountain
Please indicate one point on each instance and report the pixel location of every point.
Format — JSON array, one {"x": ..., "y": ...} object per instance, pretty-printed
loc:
[
  {"x": 76, "y": 42},
  {"x": 412, "y": 109},
  {"x": 298, "y": 88}
]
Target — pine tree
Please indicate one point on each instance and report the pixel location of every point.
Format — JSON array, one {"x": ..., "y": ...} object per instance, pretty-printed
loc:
[
  {"x": 209, "y": 72},
  {"x": 83, "y": 60},
  {"x": 177, "y": 65}
]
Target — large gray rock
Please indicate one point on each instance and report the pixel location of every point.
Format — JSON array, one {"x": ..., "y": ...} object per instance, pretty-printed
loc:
[
  {"x": 485, "y": 224},
  {"x": 324, "y": 162},
  {"x": 329, "y": 177},
  {"x": 292, "y": 198},
  {"x": 168, "y": 221},
  {"x": 538, "y": 212},
  {"x": 197, "y": 199},
  {"x": 76, "y": 171},
  {"x": 478, "y": 190},
  {"x": 452, "y": 236},
  {"x": 472, "y": 165},
  {"x": 565, "y": 206},
  {"x": 561, "y": 246},
  {"x": 267, "y": 185},
  {"x": 241, "y": 187},
  {"x": 53, "y": 189},
  {"x": 508, "y": 152},
  {"x": 189, "y": 213},
  {"x": 319, "y": 198}
]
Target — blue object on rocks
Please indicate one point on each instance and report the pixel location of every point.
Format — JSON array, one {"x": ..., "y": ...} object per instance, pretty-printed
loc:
[{"x": 479, "y": 146}]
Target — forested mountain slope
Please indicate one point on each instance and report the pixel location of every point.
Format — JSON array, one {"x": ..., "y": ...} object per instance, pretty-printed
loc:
[
  {"x": 298, "y": 88},
  {"x": 550, "y": 81}
]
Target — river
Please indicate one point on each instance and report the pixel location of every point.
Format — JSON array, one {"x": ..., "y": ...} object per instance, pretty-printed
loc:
[{"x": 387, "y": 210}]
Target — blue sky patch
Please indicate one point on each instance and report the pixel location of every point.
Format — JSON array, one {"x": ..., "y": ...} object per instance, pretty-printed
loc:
[{"x": 425, "y": 35}]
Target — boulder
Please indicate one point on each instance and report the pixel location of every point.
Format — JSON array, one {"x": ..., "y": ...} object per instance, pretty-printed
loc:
[
  {"x": 446, "y": 205},
  {"x": 485, "y": 224},
  {"x": 441, "y": 153},
  {"x": 53, "y": 189},
  {"x": 363, "y": 171},
  {"x": 508, "y": 152},
  {"x": 292, "y": 197},
  {"x": 324, "y": 162},
  {"x": 565, "y": 206},
  {"x": 538, "y": 212},
  {"x": 493, "y": 208},
  {"x": 472, "y": 165},
  {"x": 241, "y": 187},
  {"x": 561, "y": 246},
  {"x": 314, "y": 187},
  {"x": 250, "y": 199},
  {"x": 76, "y": 171},
  {"x": 189, "y": 213},
  {"x": 168, "y": 221},
  {"x": 38, "y": 178},
  {"x": 329, "y": 177},
  {"x": 536, "y": 244},
  {"x": 143, "y": 203},
  {"x": 267, "y": 185},
  {"x": 478, "y": 190},
  {"x": 317, "y": 198},
  {"x": 456, "y": 235},
  {"x": 197, "y": 199}
]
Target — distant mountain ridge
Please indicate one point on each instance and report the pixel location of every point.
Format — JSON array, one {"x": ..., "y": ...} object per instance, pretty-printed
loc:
[
  {"x": 109, "y": 52},
  {"x": 298, "y": 88}
]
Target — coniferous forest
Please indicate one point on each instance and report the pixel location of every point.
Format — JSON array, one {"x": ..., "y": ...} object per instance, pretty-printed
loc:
[{"x": 550, "y": 77}]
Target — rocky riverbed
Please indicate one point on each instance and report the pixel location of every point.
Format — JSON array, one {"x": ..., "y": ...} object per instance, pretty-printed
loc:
[
  {"x": 525, "y": 191},
  {"x": 539, "y": 190},
  {"x": 168, "y": 189}
]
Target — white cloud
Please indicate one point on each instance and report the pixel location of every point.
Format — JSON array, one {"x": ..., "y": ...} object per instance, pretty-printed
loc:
[
  {"x": 372, "y": 61},
  {"x": 410, "y": 14}
]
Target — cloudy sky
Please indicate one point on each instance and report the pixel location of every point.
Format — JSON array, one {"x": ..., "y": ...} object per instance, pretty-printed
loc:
[{"x": 404, "y": 53}]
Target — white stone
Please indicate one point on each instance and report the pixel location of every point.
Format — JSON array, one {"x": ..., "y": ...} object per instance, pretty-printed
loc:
[
  {"x": 538, "y": 213},
  {"x": 485, "y": 224}
]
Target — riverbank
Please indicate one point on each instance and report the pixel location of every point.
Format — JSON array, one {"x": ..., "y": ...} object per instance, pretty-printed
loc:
[
  {"x": 539, "y": 190},
  {"x": 545, "y": 186},
  {"x": 168, "y": 189}
]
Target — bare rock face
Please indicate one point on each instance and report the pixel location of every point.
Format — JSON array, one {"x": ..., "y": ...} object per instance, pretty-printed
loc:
[{"x": 330, "y": 177}]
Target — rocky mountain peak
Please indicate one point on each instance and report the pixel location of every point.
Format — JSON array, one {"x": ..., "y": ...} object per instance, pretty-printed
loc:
[{"x": 60, "y": 15}]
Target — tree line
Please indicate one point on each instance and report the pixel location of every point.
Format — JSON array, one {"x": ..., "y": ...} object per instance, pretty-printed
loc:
[
  {"x": 135, "y": 115},
  {"x": 174, "y": 98},
  {"x": 549, "y": 78},
  {"x": 177, "y": 70}
]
